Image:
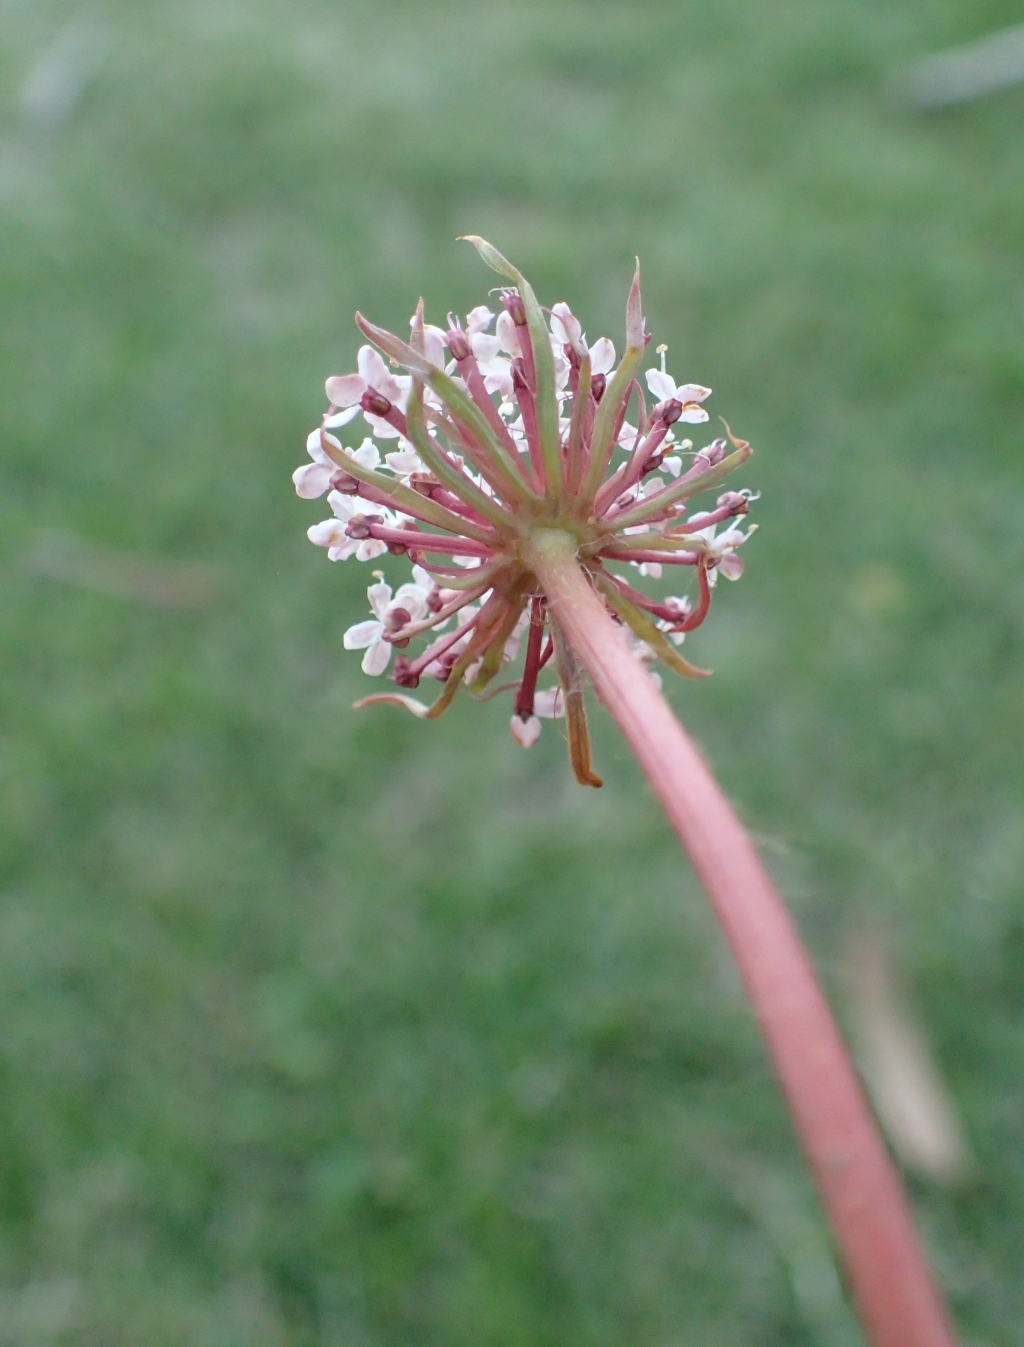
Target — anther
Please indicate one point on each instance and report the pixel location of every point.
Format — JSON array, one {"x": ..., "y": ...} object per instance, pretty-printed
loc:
[{"x": 375, "y": 403}]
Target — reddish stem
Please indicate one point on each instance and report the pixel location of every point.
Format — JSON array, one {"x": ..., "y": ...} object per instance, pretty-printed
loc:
[{"x": 898, "y": 1301}]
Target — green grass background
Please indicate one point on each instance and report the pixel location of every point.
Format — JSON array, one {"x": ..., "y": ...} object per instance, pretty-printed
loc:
[{"x": 328, "y": 1028}]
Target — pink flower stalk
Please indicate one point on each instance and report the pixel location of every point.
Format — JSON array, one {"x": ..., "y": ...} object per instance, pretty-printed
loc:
[{"x": 520, "y": 492}]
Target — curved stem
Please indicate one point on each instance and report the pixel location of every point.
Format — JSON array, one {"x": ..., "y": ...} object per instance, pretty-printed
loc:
[{"x": 898, "y": 1301}]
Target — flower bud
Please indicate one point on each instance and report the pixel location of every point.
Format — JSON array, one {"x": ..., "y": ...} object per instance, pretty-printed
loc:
[
  {"x": 344, "y": 483},
  {"x": 434, "y": 601},
  {"x": 668, "y": 411},
  {"x": 515, "y": 307},
  {"x": 597, "y": 386},
  {"x": 458, "y": 344},
  {"x": 714, "y": 452},
  {"x": 375, "y": 403},
  {"x": 359, "y": 525},
  {"x": 525, "y": 731},
  {"x": 401, "y": 673},
  {"x": 397, "y": 549}
]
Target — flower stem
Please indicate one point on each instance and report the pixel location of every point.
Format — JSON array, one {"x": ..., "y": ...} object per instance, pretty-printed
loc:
[{"x": 898, "y": 1301}]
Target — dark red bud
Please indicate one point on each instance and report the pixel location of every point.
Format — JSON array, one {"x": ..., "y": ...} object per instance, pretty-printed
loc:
[
  {"x": 375, "y": 403},
  {"x": 516, "y": 308},
  {"x": 519, "y": 375},
  {"x": 434, "y": 601},
  {"x": 341, "y": 481},
  {"x": 458, "y": 344},
  {"x": 397, "y": 549},
  {"x": 359, "y": 525},
  {"x": 572, "y": 355},
  {"x": 398, "y": 618},
  {"x": 401, "y": 674},
  {"x": 669, "y": 411},
  {"x": 654, "y": 464},
  {"x": 597, "y": 387}
]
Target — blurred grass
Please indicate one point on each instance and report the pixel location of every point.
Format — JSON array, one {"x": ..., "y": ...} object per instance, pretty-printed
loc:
[{"x": 318, "y": 1028}]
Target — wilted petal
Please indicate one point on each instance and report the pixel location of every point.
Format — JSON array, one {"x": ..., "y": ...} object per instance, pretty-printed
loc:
[
  {"x": 662, "y": 385},
  {"x": 602, "y": 356},
  {"x": 549, "y": 703},
  {"x": 525, "y": 732},
  {"x": 312, "y": 479},
  {"x": 362, "y": 635},
  {"x": 345, "y": 390}
]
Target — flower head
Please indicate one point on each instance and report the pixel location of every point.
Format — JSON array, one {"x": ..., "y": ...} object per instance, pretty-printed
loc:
[{"x": 501, "y": 433}]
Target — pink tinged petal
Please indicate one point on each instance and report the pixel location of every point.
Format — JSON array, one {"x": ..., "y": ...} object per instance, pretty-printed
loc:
[
  {"x": 404, "y": 463},
  {"x": 377, "y": 658},
  {"x": 673, "y": 465},
  {"x": 565, "y": 325},
  {"x": 627, "y": 435},
  {"x": 423, "y": 579},
  {"x": 377, "y": 374},
  {"x": 663, "y": 386},
  {"x": 326, "y": 534},
  {"x": 485, "y": 347},
  {"x": 412, "y": 599},
  {"x": 478, "y": 319},
  {"x": 692, "y": 393},
  {"x": 433, "y": 345},
  {"x": 602, "y": 356},
  {"x": 341, "y": 418},
  {"x": 549, "y": 703},
  {"x": 384, "y": 430},
  {"x": 731, "y": 566},
  {"x": 370, "y": 548},
  {"x": 693, "y": 414},
  {"x": 315, "y": 449},
  {"x": 343, "y": 551},
  {"x": 362, "y": 635},
  {"x": 345, "y": 507},
  {"x": 506, "y": 331},
  {"x": 312, "y": 479},
  {"x": 345, "y": 390},
  {"x": 367, "y": 455},
  {"x": 525, "y": 732},
  {"x": 418, "y": 709}
]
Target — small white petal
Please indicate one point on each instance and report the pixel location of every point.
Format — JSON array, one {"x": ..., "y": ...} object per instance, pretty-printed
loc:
[
  {"x": 363, "y": 634},
  {"x": 315, "y": 449},
  {"x": 525, "y": 732},
  {"x": 602, "y": 356},
  {"x": 379, "y": 596},
  {"x": 341, "y": 418},
  {"x": 731, "y": 566},
  {"x": 329, "y": 533},
  {"x": 405, "y": 463},
  {"x": 343, "y": 550},
  {"x": 367, "y": 455},
  {"x": 662, "y": 385},
  {"x": 312, "y": 479},
  {"x": 692, "y": 393},
  {"x": 549, "y": 703},
  {"x": 345, "y": 390},
  {"x": 412, "y": 599},
  {"x": 344, "y": 506},
  {"x": 377, "y": 658},
  {"x": 673, "y": 465},
  {"x": 651, "y": 568},
  {"x": 485, "y": 347},
  {"x": 370, "y": 548},
  {"x": 423, "y": 579},
  {"x": 693, "y": 414},
  {"x": 565, "y": 326}
]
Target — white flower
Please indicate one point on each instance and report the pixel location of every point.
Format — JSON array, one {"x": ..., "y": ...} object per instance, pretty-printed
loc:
[
  {"x": 313, "y": 479},
  {"x": 602, "y": 356},
  {"x": 479, "y": 319},
  {"x": 390, "y": 615},
  {"x": 346, "y": 390},
  {"x": 549, "y": 703},
  {"x": 663, "y": 386},
  {"x": 721, "y": 548}
]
